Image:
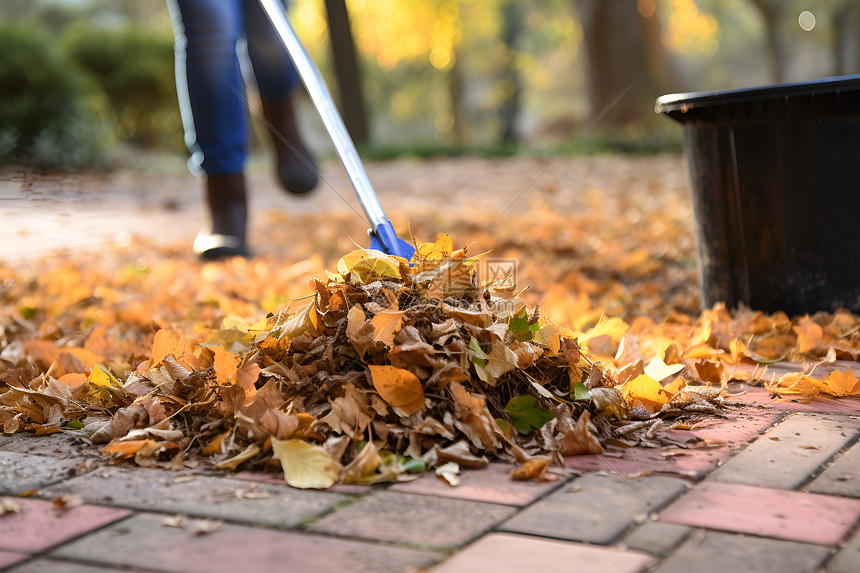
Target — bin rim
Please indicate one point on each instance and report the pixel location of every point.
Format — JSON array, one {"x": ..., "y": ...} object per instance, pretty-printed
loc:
[{"x": 686, "y": 101}]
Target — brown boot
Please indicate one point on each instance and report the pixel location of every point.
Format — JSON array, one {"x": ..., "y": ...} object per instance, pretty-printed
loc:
[
  {"x": 228, "y": 210},
  {"x": 296, "y": 167}
]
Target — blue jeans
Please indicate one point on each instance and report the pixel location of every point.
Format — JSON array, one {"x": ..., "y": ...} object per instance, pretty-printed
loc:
[{"x": 209, "y": 78}]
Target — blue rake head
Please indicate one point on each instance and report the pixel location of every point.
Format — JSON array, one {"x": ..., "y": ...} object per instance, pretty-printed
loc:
[{"x": 383, "y": 238}]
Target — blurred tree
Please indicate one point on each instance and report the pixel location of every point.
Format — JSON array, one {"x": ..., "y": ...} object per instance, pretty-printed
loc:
[
  {"x": 623, "y": 48},
  {"x": 510, "y": 79},
  {"x": 776, "y": 49},
  {"x": 846, "y": 45},
  {"x": 347, "y": 70}
]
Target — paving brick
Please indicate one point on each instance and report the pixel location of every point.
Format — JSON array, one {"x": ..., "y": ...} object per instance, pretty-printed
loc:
[
  {"x": 787, "y": 455},
  {"x": 143, "y": 541},
  {"x": 278, "y": 479},
  {"x": 758, "y": 396},
  {"x": 51, "y": 566},
  {"x": 39, "y": 525},
  {"x": 595, "y": 508},
  {"x": 8, "y": 558},
  {"x": 59, "y": 445},
  {"x": 23, "y": 472},
  {"x": 693, "y": 463},
  {"x": 6, "y": 439},
  {"x": 790, "y": 515},
  {"x": 505, "y": 553},
  {"x": 715, "y": 552},
  {"x": 657, "y": 537},
  {"x": 847, "y": 560},
  {"x": 841, "y": 478},
  {"x": 203, "y": 496},
  {"x": 492, "y": 484},
  {"x": 420, "y": 520}
]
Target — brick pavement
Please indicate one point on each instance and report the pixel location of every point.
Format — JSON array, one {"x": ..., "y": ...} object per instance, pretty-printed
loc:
[{"x": 772, "y": 487}]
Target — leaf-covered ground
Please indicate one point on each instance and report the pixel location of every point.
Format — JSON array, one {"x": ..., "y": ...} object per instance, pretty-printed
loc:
[{"x": 376, "y": 370}]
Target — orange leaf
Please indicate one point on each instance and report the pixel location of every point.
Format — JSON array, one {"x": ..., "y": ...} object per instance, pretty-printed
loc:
[
  {"x": 166, "y": 342},
  {"x": 399, "y": 387},
  {"x": 74, "y": 380},
  {"x": 385, "y": 324},
  {"x": 809, "y": 334},
  {"x": 794, "y": 386},
  {"x": 225, "y": 365},
  {"x": 840, "y": 384},
  {"x": 126, "y": 449}
]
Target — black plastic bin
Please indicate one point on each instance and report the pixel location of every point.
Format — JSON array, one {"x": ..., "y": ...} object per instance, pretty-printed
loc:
[{"x": 775, "y": 179}]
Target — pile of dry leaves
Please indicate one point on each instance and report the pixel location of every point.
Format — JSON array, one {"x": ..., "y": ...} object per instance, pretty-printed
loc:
[{"x": 391, "y": 368}]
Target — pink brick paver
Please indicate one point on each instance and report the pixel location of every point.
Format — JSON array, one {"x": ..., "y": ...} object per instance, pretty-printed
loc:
[
  {"x": 717, "y": 552},
  {"x": 758, "y": 396},
  {"x": 143, "y": 541},
  {"x": 8, "y": 558},
  {"x": 790, "y": 515},
  {"x": 789, "y": 453},
  {"x": 39, "y": 525},
  {"x": 505, "y": 553},
  {"x": 719, "y": 440},
  {"x": 492, "y": 484}
]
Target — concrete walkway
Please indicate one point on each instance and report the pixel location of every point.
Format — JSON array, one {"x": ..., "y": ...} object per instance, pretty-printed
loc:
[{"x": 772, "y": 487}]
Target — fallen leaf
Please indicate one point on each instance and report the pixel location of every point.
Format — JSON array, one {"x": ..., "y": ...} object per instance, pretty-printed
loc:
[
  {"x": 67, "y": 501},
  {"x": 526, "y": 415},
  {"x": 9, "y": 505},
  {"x": 647, "y": 392},
  {"x": 305, "y": 465},
  {"x": 839, "y": 383},
  {"x": 398, "y": 387},
  {"x": 245, "y": 455},
  {"x": 534, "y": 468},
  {"x": 385, "y": 324},
  {"x": 809, "y": 334},
  {"x": 794, "y": 386},
  {"x": 658, "y": 369},
  {"x": 450, "y": 472}
]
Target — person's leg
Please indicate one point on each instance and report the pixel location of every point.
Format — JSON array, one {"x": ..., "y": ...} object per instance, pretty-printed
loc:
[
  {"x": 210, "y": 89},
  {"x": 277, "y": 79}
]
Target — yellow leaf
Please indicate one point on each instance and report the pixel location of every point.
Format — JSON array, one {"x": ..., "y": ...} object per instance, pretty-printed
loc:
[
  {"x": 305, "y": 321},
  {"x": 305, "y": 465},
  {"x": 442, "y": 247},
  {"x": 385, "y": 324},
  {"x": 367, "y": 265},
  {"x": 613, "y": 327},
  {"x": 646, "y": 391},
  {"x": 840, "y": 384},
  {"x": 658, "y": 370},
  {"x": 101, "y": 376},
  {"x": 232, "y": 463},
  {"x": 399, "y": 387}
]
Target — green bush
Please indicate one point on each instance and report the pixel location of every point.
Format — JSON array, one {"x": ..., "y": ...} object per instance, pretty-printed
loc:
[
  {"x": 45, "y": 113},
  {"x": 134, "y": 71}
]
